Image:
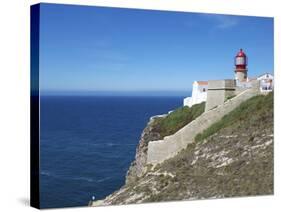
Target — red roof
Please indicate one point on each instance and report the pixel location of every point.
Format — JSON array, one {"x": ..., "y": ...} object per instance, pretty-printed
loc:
[{"x": 202, "y": 82}]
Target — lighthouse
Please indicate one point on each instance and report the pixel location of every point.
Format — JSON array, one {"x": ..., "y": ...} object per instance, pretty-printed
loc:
[{"x": 241, "y": 66}]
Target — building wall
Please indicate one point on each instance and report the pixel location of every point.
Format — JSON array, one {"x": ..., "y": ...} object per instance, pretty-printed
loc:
[
  {"x": 241, "y": 75},
  {"x": 218, "y": 92},
  {"x": 266, "y": 82},
  {"x": 214, "y": 98},
  {"x": 243, "y": 84},
  {"x": 187, "y": 101},
  {"x": 198, "y": 95}
]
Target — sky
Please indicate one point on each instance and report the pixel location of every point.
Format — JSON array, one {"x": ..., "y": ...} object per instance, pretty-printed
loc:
[{"x": 108, "y": 51}]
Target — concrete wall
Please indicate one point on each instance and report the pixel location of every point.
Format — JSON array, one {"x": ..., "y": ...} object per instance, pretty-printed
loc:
[
  {"x": 214, "y": 98},
  {"x": 160, "y": 150},
  {"x": 241, "y": 75},
  {"x": 255, "y": 84},
  {"x": 218, "y": 91}
]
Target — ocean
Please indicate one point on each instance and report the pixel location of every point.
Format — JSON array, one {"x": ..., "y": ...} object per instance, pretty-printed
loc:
[{"x": 88, "y": 142}]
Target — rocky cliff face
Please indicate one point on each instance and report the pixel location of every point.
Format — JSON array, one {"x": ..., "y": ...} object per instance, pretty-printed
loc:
[
  {"x": 233, "y": 158},
  {"x": 138, "y": 166}
]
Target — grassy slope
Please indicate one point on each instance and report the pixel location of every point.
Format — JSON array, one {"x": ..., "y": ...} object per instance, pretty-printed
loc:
[
  {"x": 235, "y": 159},
  {"x": 260, "y": 105},
  {"x": 177, "y": 119},
  {"x": 251, "y": 169}
]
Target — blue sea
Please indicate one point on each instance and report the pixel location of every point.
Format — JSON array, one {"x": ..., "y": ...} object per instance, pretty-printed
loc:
[{"x": 88, "y": 142}]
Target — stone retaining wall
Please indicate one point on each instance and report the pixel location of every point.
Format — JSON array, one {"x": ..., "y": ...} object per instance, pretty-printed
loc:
[
  {"x": 218, "y": 92},
  {"x": 160, "y": 150}
]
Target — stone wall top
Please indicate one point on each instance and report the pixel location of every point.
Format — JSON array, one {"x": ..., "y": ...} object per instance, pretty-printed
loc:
[{"x": 221, "y": 84}]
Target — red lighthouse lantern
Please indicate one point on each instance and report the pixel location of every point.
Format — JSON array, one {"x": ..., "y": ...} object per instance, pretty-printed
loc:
[{"x": 241, "y": 61}]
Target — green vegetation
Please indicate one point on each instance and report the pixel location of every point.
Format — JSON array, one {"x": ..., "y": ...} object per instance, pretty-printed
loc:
[
  {"x": 194, "y": 167},
  {"x": 236, "y": 160},
  {"x": 256, "y": 106},
  {"x": 229, "y": 97},
  {"x": 177, "y": 119}
]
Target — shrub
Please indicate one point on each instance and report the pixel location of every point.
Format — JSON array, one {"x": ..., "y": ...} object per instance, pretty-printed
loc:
[{"x": 177, "y": 119}]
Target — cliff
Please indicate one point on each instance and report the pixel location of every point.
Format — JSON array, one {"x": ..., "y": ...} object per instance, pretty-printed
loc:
[
  {"x": 157, "y": 128},
  {"x": 232, "y": 157}
]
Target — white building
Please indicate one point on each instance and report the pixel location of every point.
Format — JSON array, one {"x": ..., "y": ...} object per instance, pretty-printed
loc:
[
  {"x": 246, "y": 83},
  {"x": 242, "y": 82},
  {"x": 266, "y": 82},
  {"x": 199, "y": 93}
]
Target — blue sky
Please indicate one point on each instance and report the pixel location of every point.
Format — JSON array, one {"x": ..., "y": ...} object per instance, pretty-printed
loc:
[{"x": 96, "y": 50}]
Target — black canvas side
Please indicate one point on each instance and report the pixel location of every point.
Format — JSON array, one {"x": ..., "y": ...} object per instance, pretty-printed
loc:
[{"x": 34, "y": 106}]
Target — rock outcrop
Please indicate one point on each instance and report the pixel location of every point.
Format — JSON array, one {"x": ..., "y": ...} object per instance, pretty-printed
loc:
[{"x": 138, "y": 166}]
